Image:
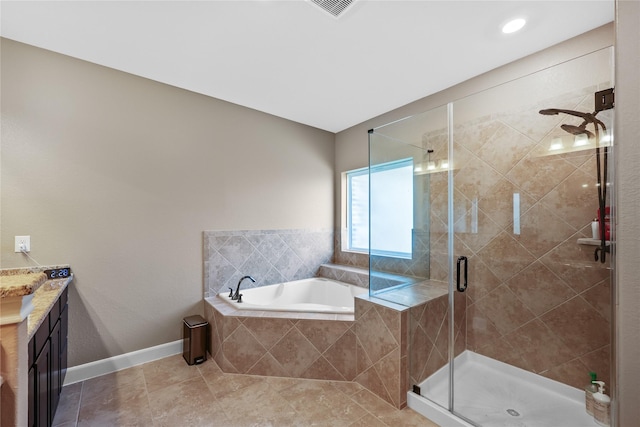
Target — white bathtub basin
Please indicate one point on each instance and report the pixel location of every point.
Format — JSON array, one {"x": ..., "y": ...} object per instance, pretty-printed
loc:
[{"x": 317, "y": 295}]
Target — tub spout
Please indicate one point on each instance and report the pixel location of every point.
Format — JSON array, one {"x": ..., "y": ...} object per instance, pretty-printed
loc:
[{"x": 236, "y": 296}]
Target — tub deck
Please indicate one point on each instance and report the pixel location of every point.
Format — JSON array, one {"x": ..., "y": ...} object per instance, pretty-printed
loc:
[{"x": 227, "y": 309}]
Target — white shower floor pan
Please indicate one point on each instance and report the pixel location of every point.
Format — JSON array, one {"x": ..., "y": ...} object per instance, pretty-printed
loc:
[{"x": 495, "y": 394}]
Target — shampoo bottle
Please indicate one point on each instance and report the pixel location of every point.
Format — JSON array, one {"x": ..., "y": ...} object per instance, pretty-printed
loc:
[
  {"x": 588, "y": 393},
  {"x": 601, "y": 406},
  {"x": 595, "y": 229}
]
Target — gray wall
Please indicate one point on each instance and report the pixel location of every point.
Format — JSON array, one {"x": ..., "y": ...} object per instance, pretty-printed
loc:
[{"x": 119, "y": 176}]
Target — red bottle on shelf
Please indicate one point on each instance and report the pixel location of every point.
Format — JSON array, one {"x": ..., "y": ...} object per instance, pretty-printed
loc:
[{"x": 607, "y": 223}]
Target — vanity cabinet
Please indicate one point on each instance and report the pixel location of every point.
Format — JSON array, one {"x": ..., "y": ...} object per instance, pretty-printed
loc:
[{"x": 48, "y": 364}]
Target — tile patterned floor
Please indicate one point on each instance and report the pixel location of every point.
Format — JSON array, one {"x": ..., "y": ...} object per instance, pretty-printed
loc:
[{"x": 168, "y": 392}]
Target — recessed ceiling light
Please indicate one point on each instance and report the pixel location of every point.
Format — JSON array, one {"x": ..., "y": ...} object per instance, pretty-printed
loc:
[{"x": 513, "y": 25}]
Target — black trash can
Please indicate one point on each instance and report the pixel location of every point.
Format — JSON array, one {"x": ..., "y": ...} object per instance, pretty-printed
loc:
[{"x": 194, "y": 339}]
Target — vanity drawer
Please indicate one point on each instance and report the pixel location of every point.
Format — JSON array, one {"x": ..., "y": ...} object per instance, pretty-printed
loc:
[
  {"x": 64, "y": 297},
  {"x": 54, "y": 314},
  {"x": 39, "y": 339}
]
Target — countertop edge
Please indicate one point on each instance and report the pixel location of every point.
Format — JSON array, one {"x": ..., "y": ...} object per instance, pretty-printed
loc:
[
  {"x": 44, "y": 299},
  {"x": 26, "y": 288}
]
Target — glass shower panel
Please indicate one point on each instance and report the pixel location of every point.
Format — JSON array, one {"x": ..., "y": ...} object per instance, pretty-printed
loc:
[
  {"x": 394, "y": 188},
  {"x": 400, "y": 203},
  {"x": 419, "y": 280},
  {"x": 525, "y": 192}
]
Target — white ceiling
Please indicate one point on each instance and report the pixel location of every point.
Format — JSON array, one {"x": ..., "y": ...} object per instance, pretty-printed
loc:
[{"x": 293, "y": 60}]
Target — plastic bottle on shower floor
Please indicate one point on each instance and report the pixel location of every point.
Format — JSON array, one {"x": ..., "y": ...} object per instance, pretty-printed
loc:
[
  {"x": 601, "y": 406},
  {"x": 588, "y": 393}
]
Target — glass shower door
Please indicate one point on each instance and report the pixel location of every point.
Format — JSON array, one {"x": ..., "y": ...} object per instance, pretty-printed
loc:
[{"x": 524, "y": 192}]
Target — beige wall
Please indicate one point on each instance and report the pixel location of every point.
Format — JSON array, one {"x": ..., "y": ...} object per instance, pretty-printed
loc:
[
  {"x": 627, "y": 313},
  {"x": 119, "y": 176}
]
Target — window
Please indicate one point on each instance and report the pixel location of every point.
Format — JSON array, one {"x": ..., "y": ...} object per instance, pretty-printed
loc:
[{"x": 391, "y": 209}]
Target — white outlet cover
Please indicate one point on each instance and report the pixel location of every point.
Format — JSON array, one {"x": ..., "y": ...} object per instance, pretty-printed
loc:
[{"x": 23, "y": 240}]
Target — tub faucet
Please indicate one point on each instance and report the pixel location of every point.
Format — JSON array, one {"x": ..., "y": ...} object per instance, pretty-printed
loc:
[{"x": 236, "y": 296}]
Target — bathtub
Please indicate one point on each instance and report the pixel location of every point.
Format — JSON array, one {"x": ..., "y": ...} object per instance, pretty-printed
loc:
[{"x": 315, "y": 295}]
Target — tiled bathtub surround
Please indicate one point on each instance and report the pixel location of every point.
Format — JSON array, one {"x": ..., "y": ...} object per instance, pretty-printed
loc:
[
  {"x": 370, "y": 348},
  {"x": 537, "y": 299},
  {"x": 416, "y": 267},
  {"x": 342, "y": 257},
  {"x": 269, "y": 256},
  {"x": 346, "y": 274}
]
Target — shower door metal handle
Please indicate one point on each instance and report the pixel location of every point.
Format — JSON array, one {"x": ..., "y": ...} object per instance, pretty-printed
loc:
[{"x": 463, "y": 287}]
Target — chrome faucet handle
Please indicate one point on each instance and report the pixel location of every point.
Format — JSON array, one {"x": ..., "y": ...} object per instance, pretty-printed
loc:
[{"x": 230, "y": 292}]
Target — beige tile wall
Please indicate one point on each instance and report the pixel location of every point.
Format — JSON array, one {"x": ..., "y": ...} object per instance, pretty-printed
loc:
[
  {"x": 537, "y": 299},
  {"x": 382, "y": 350},
  {"x": 429, "y": 336}
]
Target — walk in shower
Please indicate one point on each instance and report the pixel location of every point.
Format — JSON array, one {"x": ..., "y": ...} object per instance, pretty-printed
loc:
[{"x": 509, "y": 298}]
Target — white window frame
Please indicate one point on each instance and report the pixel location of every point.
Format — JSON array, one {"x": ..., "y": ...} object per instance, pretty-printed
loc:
[{"x": 348, "y": 245}]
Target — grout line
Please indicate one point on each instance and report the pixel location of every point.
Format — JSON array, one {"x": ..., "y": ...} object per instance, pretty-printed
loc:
[
  {"x": 79, "y": 403},
  {"x": 146, "y": 393}
]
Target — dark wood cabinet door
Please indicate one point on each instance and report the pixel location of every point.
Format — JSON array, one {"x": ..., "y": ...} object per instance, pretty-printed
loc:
[
  {"x": 42, "y": 368},
  {"x": 32, "y": 399},
  {"x": 54, "y": 381}
]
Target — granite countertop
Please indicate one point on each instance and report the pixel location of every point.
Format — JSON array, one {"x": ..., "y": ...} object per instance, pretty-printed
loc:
[
  {"x": 43, "y": 300},
  {"x": 16, "y": 282},
  {"x": 20, "y": 282}
]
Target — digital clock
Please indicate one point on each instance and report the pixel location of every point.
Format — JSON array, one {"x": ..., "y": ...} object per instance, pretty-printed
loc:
[{"x": 58, "y": 273}]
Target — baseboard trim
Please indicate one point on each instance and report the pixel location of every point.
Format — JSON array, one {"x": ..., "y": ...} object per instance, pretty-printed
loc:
[{"x": 123, "y": 361}]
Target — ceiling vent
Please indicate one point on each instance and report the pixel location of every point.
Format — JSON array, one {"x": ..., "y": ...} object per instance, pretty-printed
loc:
[{"x": 334, "y": 7}]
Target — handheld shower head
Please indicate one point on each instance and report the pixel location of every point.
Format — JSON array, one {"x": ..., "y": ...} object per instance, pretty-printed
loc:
[
  {"x": 577, "y": 130},
  {"x": 555, "y": 111},
  {"x": 582, "y": 130}
]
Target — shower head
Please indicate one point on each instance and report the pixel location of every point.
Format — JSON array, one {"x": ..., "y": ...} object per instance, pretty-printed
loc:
[
  {"x": 577, "y": 130},
  {"x": 556, "y": 111}
]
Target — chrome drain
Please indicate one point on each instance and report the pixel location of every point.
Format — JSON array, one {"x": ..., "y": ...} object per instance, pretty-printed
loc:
[{"x": 513, "y": 412}]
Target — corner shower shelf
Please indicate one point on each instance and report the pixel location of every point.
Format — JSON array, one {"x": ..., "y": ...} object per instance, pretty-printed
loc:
[{"x": 590, "y": 242}]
